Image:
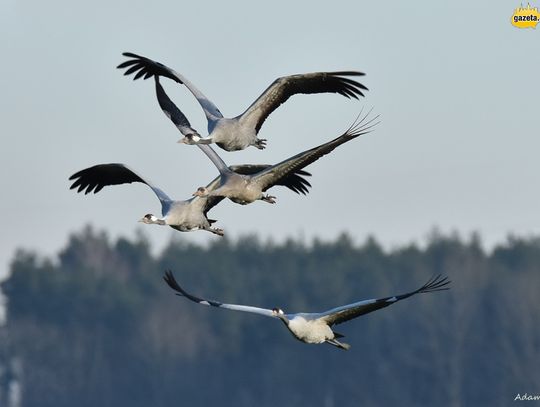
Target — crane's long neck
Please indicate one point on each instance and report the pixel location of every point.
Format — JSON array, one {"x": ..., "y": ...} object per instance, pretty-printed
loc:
[
  {"x": 283, "y": 319},
  {"x": 215, "y": 158}
]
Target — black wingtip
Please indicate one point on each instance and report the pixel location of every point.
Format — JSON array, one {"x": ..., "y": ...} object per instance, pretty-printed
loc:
[
  {"x": 361, "y": 125},
  {"x": 435, "y": 283},
  {"x": 348, "y": 73},
  {"x": 130, "y": 55},
  {"x": 171, "y": 282},
  {"x": 129, "y": 62},
  {"x": 76, "y": 182}
]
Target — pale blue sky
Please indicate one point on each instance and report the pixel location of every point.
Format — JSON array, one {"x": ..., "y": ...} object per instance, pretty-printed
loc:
[{"x": 455, "y": 84}]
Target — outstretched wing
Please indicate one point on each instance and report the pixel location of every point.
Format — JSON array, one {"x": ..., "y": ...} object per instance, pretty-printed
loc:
[
  {"x": 93, "y": 179},
  {"x": 173, "y": 112},
  {"x": 182, "y": 123},
  {"x": 347, "y": 312},
  {"x": 146, "y": 68},
  {"x": 171, "y": 281},
  {"x": 317, "y": 82},
  {"x": 272, "y": 175},
  {"x": 295, "y": 181}
]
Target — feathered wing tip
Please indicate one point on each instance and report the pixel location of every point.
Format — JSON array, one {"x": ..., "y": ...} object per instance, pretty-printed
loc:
[
  {"x": 349, "y": 87},
  {"x": 348, "y": 73},
  {"x": 297, "y": 183},
  {"x": 361, "y": 125},
  {"x": 144, "y": 67},
  {"x": 135, "y": 65},
  {"x": 93, "y": 179},
  {"x": 171, "y": 282},
  {"x": 78, "y": 183},
  {"x": 436, "y": 283}
]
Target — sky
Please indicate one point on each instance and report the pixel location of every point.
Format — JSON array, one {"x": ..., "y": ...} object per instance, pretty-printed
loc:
[{"x": 455, "y": 85}]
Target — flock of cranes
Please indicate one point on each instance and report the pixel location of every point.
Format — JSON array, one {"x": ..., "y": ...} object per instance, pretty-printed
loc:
[{"x": 246, "y": 183}]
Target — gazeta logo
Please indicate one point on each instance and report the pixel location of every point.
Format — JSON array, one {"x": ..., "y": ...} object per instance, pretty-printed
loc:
[{"x": 525, "y": 17}]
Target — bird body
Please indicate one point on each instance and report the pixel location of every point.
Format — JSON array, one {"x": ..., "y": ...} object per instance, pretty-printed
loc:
[
  {"x": 246, "y": 187},
  {"x": 185, "y": 216},
  {"x": 189, "y": 216},
  {"x": 221, "y": 130},
  {"x": 240, "y": 132},
  {"x": 248, "y": 183},
  {"x": 310, "y": 330},
  {"x": 239, "y": 188},
  {"x": 315, "y": 328}
]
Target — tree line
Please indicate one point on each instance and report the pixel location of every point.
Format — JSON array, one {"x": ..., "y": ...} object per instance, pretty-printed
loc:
[{"x": 97, "y": 326}]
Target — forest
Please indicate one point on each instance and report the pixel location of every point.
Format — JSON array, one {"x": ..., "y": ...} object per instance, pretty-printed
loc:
[{"x": 97, "y": 326}]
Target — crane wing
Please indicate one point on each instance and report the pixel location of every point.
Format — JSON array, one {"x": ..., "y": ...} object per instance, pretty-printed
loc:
[
  {"x": 171, "y": 281},
  {"x": 350, "y": 311},
  {"x": 146, "y": 68},
  {"x": 317, "y": 82}
]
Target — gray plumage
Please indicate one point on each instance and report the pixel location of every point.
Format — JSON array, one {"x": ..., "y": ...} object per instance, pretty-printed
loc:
[
  {"x": 182, "y": 215},
  {"x": 316, "y": 328},
  {"x": 247, "y": 188},
  {"x": 185, "y": 216},
  {"x": 241, "y": 131}
]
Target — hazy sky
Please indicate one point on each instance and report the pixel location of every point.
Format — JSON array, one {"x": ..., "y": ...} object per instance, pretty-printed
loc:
[{"x": 456, "y": 86}]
